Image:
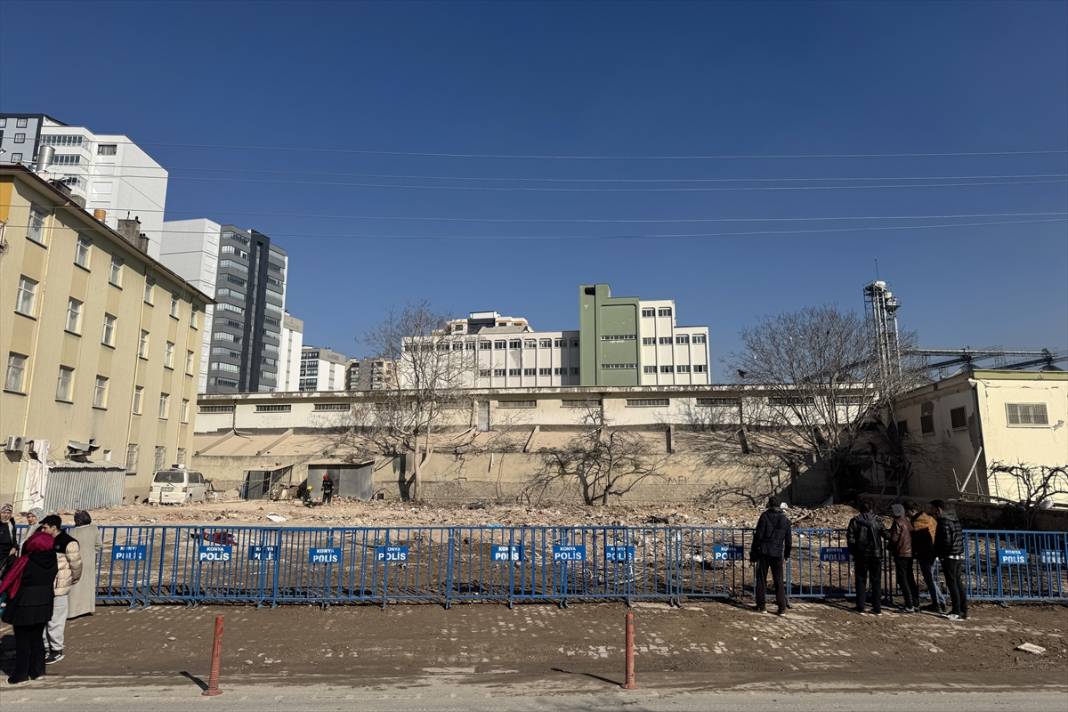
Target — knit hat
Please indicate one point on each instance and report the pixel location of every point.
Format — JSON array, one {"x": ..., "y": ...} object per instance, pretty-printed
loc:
[
  {"x": 898, "y": 510},
  {"x": 37, "y": 512},
  {"x": 6, "y": 509}
]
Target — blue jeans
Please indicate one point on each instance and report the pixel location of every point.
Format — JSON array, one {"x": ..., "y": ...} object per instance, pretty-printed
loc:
[{"x": 927, "y": 570}]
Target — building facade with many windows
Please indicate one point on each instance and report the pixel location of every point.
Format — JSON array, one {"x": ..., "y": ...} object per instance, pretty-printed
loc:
[
  {"x": 107, "y": 172},
  {"x": 100, "y": 344},
  {"x": 322, "y": 369}
]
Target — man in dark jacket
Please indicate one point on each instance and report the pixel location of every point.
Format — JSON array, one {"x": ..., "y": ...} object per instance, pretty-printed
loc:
[
  {"x": 9, "y": 538},
  {"x": 865, "y": 539},
  {"x": 949, "y": 548},
  {"x": 328, "y": 489},
  {"x": 771, "y": 544}
]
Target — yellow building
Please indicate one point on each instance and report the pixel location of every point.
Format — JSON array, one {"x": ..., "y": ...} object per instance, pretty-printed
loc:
[{"x": 99, "y": 346}]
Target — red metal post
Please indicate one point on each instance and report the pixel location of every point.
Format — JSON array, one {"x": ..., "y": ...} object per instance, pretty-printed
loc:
[
  {"x": 629, "y": 683},
  {"x": 216, "y": 652}
]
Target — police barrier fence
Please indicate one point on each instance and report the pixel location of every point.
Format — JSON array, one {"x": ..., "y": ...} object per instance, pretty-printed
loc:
[{"x": 141, "y": 565}]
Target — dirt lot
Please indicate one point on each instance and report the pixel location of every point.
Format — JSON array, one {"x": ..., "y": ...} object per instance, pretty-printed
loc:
[
  {"x": 382, "y": 513},
  {"x": 700, "y": 646}
]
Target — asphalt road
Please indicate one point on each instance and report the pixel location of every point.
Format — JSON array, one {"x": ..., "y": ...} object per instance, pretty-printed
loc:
[{"x": 462, "y": 697}]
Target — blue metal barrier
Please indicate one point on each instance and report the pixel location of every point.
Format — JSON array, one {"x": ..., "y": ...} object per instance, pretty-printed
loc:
[{"x": 142, "y": 565}]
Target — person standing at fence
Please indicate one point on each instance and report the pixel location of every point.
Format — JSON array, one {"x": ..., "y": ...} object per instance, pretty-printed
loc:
[
  {"x": 864, "y": 537},
  {"x": 69, "y": 561},
  {"x": 901, "y": 548},
  {"x": 328, "y": 489},
  {"x": 27, "y": 593},
  {"x": 82, "y": 599},
  {"x": 772, "y": 544},
  {"x": 9, "y": 538},
  {"x": 923, "y": 535},
  {"x": 949, "y": 548}
]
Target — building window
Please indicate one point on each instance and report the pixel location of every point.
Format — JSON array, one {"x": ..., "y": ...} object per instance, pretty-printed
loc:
[
  {"x": 646, "y": 311},
  {"x": 545, "y": 372},
  {"x": 82, "y": 251},
  {"x": 515, "y": 344},
  {"x": 65, "y": 384},
  {"x": 667, "y": 369},
  {"x": 107, "y": 149},
  {"x": 647, "y": 402},
  {"x": 665, "y": 339},
  {"x": 574, "y": 370},
  {"x": 545, "y": 343},
  {"x": 161, "y": 457},
  {"x": 189, "y": 363},
  {"x": 648, "y": 340},
  {"x": 100, "y": 392},
  {"x": 618, "y": 337},
  {"x": 168, "y": 355},
  {"x": 902, "y": 428},
  {"x": 150, "y": 286},
  {"x": 530, "y": 344},
  {"x": 580, "y": 403},
  {"x": 469, "y": 345},
  {"x": 515, "y": 404},
  {"x": 718, "y": 402},
  {"x": 20, "y": 137},
  {"x": 559, "y": 371},
  {"x": 16, "y": 158},
  {"x": 558, "y": 343},
  {"x": 26, "y": 297},
  {"x": 164, "y": 405},
  {"x": 216, "y": 409},
  {"x": 663, "y": 311},
  {"x": 194, "y": 318},
  {"x": 331, "y": 407},
  {"x": 500, "y": 344},
  {"x": 484, "y": 345},
  {"x": 699, "y": 338},
  {"x": 499, "y": 372},
  {"x": 35, "y": 230},
  {"x": 131, "y": 457},
  {"x": 957, "y": 418},
  {"x": 108, "y": 337},
  {"x": 457, "y": 346},
  {"x": 515, "y": 371},
  {"x": 700, "y": 368},
  {"x": 142, "y": 344},
  {"x": 21, "y": 123},
  {"x": 618, "y": 366},
  {"x": 484, "y": 373},
  {"x": 185, "y": 411},
  {"x": 648, "y": 369},
  {"x": 115, "y": 276},
  {"x": 16, "y": 372},
  {"x": 174, "y": 306},
  {"x": 530, "y": 372},
  {"x": 1026, "y": 414},
  {"x": 927, "y": 423},
  {"x": 74, "y": 316},
  {"x": 274, "y": 408},
  {"x": 574, "y": 343},
  {"x": 138, "y": 400},
  {"x": 682, "y": 369},
  {"x": 786, "y": 401},
  {"x": 682, "y": 339}
]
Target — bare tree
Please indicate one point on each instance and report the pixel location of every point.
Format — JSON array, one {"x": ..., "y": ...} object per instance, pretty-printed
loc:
[
  {"x": 428, "y": 392},
  {"x": 1038, "y": 487},
  {"x": 813, "y": 395},
  {"x": 602, "y": 461}
]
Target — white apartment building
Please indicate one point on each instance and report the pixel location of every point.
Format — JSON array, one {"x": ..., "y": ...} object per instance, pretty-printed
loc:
[
  {"x": 106, "y": 172},
  {"x": 671, "y": 355},
  {"x": 322, "y": 369},
  {"x": 289, "y": 353}
]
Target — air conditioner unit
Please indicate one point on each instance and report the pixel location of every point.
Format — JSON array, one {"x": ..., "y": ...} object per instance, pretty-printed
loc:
[{"x": 14, "y": 444}]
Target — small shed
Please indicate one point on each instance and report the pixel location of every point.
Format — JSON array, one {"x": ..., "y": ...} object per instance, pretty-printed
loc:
[
  {"x": 77, "y": 484},
  {"x": 351, "y": 479}
]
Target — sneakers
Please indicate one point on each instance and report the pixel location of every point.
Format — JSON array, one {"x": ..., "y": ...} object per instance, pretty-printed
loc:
[
  {"x": 761, "y": 609},
  {"x": 781, "y": 612},
  {"x": 953, "y": 617},
  {"x": 53, "y": 657}
]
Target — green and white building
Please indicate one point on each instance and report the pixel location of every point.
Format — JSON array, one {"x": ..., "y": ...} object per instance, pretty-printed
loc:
[{"x": 621, "y": 341}]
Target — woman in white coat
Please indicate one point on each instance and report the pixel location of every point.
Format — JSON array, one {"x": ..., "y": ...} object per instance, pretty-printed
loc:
[{"x": 83, "y": 594}]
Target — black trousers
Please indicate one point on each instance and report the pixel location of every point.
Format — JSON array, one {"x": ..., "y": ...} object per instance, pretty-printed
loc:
[
  {"x": 327, "y": 496},
  {"x": 29, "y": 651},
  {"x": 953, "y": 570},
  {"x": 906, "y": 580},
  {"x": 869, "y": 570},
  {"x": 763, "y": 564}
]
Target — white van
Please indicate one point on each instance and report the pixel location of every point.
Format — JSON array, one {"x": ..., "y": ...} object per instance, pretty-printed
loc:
[{"x": 178, "y": 485}]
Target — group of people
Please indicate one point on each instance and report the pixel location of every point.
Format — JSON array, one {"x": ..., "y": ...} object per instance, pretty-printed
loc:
[
  {"x": 915, "y": 536},
  {"x": 41, "y": 585}
]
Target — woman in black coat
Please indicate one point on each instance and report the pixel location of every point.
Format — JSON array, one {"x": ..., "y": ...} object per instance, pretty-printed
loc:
[{"x": 28, "y": 590}]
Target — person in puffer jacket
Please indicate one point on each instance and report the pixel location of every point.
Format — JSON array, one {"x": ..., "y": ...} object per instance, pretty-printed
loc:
[
  {"x": 69, "y": 560},
  {"x": 865, "y": 537},
  {"x": 901, "y": 548},
  {"x": 949, "y": 548}
]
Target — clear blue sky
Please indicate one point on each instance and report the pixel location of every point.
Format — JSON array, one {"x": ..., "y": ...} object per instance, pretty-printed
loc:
[{"x": 564, "y": 79}]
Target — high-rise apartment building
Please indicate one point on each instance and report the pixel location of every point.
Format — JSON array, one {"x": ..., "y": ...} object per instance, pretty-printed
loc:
[
  {"x": 289, "y": 353},
  {"x": 371, "y": 374},
  {"x": 322, "y": 369},
  {"x": 104, "y": 172},
  {"x": 248, "y": 274},
  {"x": 99, "y": 347}
]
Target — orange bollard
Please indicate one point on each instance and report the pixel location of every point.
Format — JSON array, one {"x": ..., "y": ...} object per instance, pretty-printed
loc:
[
  {"x": 216, "y": 653},
  {"x": 629, "y": 683}
]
